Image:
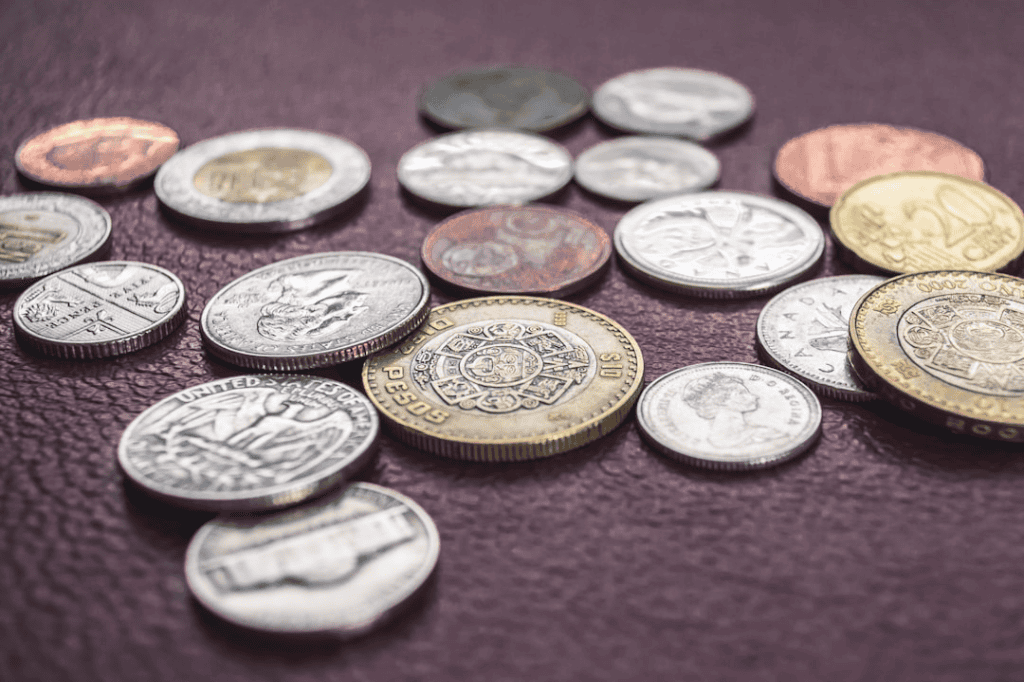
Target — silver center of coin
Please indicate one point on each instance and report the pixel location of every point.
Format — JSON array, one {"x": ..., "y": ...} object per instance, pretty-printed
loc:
[{"x": 636, "y": 168}]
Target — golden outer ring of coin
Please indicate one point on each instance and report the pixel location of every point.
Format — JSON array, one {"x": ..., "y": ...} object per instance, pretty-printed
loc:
[
  {"x": 881, "y": 362},
  {"x": 428, "y": 423},
  {"x": 911, "y": 205}
]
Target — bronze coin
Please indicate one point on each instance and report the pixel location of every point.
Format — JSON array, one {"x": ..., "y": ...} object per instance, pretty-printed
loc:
[
  {"x": 517, "y": 250},
  {"x": 820, "y": 165}
]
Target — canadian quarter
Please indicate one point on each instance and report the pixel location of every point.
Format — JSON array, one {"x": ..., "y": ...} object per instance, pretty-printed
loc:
[{"x": 638, "y": 168}]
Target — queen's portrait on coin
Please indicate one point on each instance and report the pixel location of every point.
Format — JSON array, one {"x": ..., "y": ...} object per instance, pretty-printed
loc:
[
  {"x": 309, "y": 306},
  {"x": 726, "y": 401}
]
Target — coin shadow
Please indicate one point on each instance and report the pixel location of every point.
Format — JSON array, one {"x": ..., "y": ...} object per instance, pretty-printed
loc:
[
  {"x": 101, "y": 195},
  {"x": 693, "y": 303},
  {"x": 160, "y": 523},
  {"x": 431, "y": 210},
  {"x": 558, "y": 134},
  {"x": 816, "y": 211}
]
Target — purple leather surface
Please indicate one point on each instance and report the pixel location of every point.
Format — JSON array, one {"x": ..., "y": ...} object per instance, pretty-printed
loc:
[{"x": 890, "y": 552}]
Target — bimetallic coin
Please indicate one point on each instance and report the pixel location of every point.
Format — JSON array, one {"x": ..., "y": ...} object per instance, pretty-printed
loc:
[
  {"x": 517, "y": 250},
  {"x": 485, "y": 167},
  {"x": 97, "y": 310},
  {"x": 97, "y": 155},
  {"x": 263, "y": 180},
  {"x": 636, "y": 168},
  {"x": 915, "y": 221},
  {"x": 719, "y": 244},
  {"x": 341, "y": 564},
  {"x": 947, "y": 346},
  {"x": 729, "y": 415},
  {"x": 314, "y": 311},
  {"x": 820, "y": 165},
  {"x": 805, "y": 331},
  {"x": 517, "y": 97},
  {"x": 43, "y": 232},
  {"x": 506, "y": 378},
  {"x": 673, "y": 101}
]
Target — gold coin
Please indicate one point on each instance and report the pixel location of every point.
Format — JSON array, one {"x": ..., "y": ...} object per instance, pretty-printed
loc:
[
  {"x": 947, "y": 346},
  {"x": 258, "y": 176},
  {"x": 506, "y": 378},
  {"x": 915, "y": 221}
]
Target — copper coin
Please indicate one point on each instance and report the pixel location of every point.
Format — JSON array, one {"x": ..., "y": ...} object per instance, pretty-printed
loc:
[
  {"x": 822, "y": 164},
  {"x": 96, "y": 155},
  {"x": 517, "y": 249}
]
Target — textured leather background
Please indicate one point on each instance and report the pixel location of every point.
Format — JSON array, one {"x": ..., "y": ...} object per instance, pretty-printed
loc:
[{"x": 889, "y": 552}]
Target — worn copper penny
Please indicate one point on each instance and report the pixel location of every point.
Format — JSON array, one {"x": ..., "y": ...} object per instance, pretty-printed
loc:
[
  {"x": 97, "y": 155},
  {"x": 517, "y": 250},
  {"x": 822, "y": 164}
]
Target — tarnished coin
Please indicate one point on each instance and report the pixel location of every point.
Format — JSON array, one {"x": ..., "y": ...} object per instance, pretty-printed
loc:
[
  {"x": 517, "y": 97},
  {"x": 914, "y": 221},
  {"x": 271, "y": 180},
  {"x": 729, "y": 415},
  {"x": 805, "y": 331},
  {"x": 342, "y": 564},
  {"x": 517, "y": 250},
  {"x": 43, "y": 232},
  {"x": 820, "y": 165},
  {"x": 719, "y": 244},
  {"x": 506, "y": 378},
  {"x": 314, "y": 311},
  {"x": 947, "y": 346},
  {"x": 673, "y": 101},
  {"x": 638, "y": 168},
  {"x": 97, "y": 155},
  {"x": 485, "y": 167},
  {"x": 249, "y": 443},
  {"x": 96, "y": 310}
]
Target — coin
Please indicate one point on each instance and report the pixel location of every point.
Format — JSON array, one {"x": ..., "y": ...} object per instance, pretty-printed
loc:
[
  {"x": 719, "y": 244},
  {"x": 638, "y": 168},
  {"x": 518, "y": 97},
  {"x": 272, "y": 180},
  {"x": 914, "y": 221},
  {"x": 729, "y": 415},
  {"x": 947, "y": 346},
  {"x": 341, "y": 564},
  {"x": 485, "y": 167},
  {"x": 820, "y": 165},
  {"x": 506, "y": 378},
  {"x": 314, "y": 311},
  {"x": 96, "y": 155},
  {"x": 805, "y": 331},
  {"x": 43, "y": 232},
  {"x": 96, "y": 310},
  {"x": 673, "y": 101},
  {"x": 524, "y": 250}
]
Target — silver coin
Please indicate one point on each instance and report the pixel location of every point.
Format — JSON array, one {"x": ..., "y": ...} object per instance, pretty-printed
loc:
[
  {"x": 44, "y": 232},
  {"x": 96, "y": 310},
  {"x": 673, "y": 101},
  {"x": 339, "y": 564},
  {"x": 805, "y": 330},
  {"x": 729, "y": 415},
  {"x": 315, "y": 310},
  {"x": 485, "y": 167},
  {"x": 262, "y": 180},
  {"x": 249, "y": 443},
  {"x": 636, "y": 168},
  {"x": 719, "y": 244}
]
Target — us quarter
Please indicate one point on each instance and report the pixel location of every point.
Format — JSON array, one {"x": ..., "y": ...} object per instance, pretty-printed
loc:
[
  {"x": 719, "y": 244},
  {"x": 263, "y": 180},
  {"x": 315, "y": 310},
  {"x": 341, "y": 564},
  {"x": 729, "y": 415},
  {"x": 638, "y": 168}
]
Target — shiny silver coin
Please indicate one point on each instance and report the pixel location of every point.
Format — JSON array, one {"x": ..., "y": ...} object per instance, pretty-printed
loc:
[
  {"x": 262, "y": 180},
  {"x": 636, "y": 168},
  {"x": 249, "y": 443},
  {"x": 44, "y": 232},
  {"x": 340, "y": 564},
  {"x": 729, "y": 415},
  {"x": 673, "y": 101},
  {"x": 805, "y": 330},
  {"x": 484, "y": 168},
  {"x": 315, "y": 310},
  {"x": 719, "y": 244},
  {"x": 96, "y": 310}
]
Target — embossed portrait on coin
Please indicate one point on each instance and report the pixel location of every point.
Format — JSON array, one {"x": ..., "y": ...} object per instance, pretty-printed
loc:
[
  {"x": 479, "y": 259},
  {"x": 645, "y": 172},
  {"x": 679, "y": 103},
  {"x": 106, "y": 155},
  {"x": 309, "y": 306},
  {"x": 258, "y": 176},
  {"x": 726, "y": 401}
]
